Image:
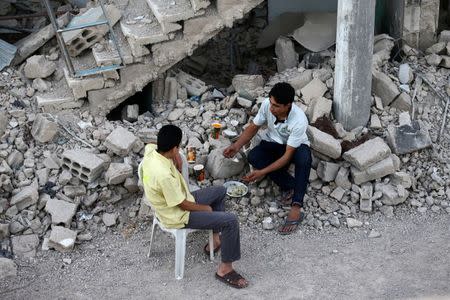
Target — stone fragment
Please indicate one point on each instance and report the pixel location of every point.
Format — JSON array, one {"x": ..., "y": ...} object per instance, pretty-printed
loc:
[
  {"x": 324, "y": 143},
  {"x": 408, "y": 138},
  {"x": 175, "y": 114},
  {"x": 444, "y": 36},
  {"x": 365, "y": 205},
  {"x": 327, "y": 171},
  {"x": 378, "y": 170},
  {"x": 287, "y": 58},
  {"x": 130, "y": 113},
  {"x": 338, "y": 193},
  {"x": 405, "y": 74},
  {"x": 368, "y": 153},
  {"x": 4, "y": 231},
  {"x": 319, "y": 107},
  {"x": 8, "y": 268},
  {"x": 25, "y": 245},
  {"x": 170, "y": 12},
  {"x": 374, "y": 234},
  {"x": 384, "y": 87},
  {"x": 402, "y": 102},
  {"x": 244, "y": 102},
  {"x": 194, "y": 86},
  {"x": 44, "y": 128},
  {"x": 83, "y": 164},
  {"x": 109, "y": 219},
  {"x": 220, "y": 167},
  {"x": 445, "y": 62},
  {"x": 246, "y": 85},
  {"x": 61, "y": 211},
  {"x": 353, "y": 223},
  {"x": 342, "y": 178},
  {"x": 404, "y": 179},
  {"x": 118, "y": 172},
  {"x": 314, "y": 89},
  {"x": 26, "y": 197},
  {"x": 268, "y": 224},
  {"x": 375, "y": 122},
  {"x": 62, "y": 239},
  {"x": 4, "y": 120},
  {"x": 433, "y": 59},
  {"x": 438, "y": 48},
  {"x": 40, "y": 85},
  {"x": 327, "y": 205},
  {"x": 131, "y": 184},
  {"x": 15, "y": 159},
  {"x": 38, "y": 66},
  {"x": 393, "y": 195},
  {"x": 300, "y": 80},
  {"x": 120, "y": 141}
]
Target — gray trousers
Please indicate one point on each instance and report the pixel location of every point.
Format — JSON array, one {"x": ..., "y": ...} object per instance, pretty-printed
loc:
[{"x": 218, "y": 220}]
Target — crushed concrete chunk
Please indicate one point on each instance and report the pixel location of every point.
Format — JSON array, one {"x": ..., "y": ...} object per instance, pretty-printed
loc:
[
  {"x": 61, "y": 211},
  {"x": 120, "y": 141},
  {"x": 324, "y": 143},
  {"x": 38, "y": 66},
  {"x": 62, "y": 239},
  {"x": 44, "y": 128},
  {"x": 118, "y": 172},
  {"x": 368, "y": 153},
  {"x": 7, "y": 268},
  {"x": 408, "y": 138}
]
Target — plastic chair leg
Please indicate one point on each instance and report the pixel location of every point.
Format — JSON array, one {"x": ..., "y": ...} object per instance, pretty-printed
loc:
[
  {"x": 180, "y": 252},
  {"x": 211, "y": 245},
  {"x": 151, "y": 238}
]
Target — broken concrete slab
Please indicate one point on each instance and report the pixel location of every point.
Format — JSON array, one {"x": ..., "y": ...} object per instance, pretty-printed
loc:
[
  {"x": 327, "y": 171},
  {"x": 375, "y": 122},
  {"x": 246, "y": 85},
  {"x": 51, "y": 103},
  {"x": 44, "y": 128},
  {"x": 79, "y": 40},
  {"x": 314, "y": 89},
  {"x": 324, "y": 143},
  {"x": 118, "y": 172},
  {"x": 287, "y": 58},
  {"x": 408, "y": 138},
  {"x": 38, "y": 66},
  {"x": 384, "y": 87},
  {"x": 433, "y": 59},
  {"x": 120, "y": 141},
  {"x": 25, "y": 245},
  {"x": 109, "y": 219},
  {"x": 405, "y": 74},
  {"x": 318, "y": 32},
  {"x": 80, "y": 86},
  {"x": 61, "y": 211},
  {"x": 368, "y": 153},
  {"x": 383, "y": 168},
  {"x": 438, "y": 48},
  {"x": 393, "y": 195},
  {"x": 171, "y": 11},
  {"x": 62, "y": 239},
  {"x": 365, "y": 205},
  {"x": 403, "y": 102},
  {"x": 26, "y": 197},
  {"x": 194, "y": 86},
  {"x": 83, "y": 164},
  {"x": 319, "y": 107},
  {"x": 301, "y": 79}
]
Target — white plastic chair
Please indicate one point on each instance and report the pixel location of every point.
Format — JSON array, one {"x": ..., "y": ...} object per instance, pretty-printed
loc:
[{"x": 180, "y": 235}]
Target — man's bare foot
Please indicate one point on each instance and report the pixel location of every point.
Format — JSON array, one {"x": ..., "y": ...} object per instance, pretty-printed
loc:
[{"x": 292, "y": 220}]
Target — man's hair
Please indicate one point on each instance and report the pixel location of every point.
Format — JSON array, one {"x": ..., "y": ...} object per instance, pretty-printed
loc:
[
  {"x": 283, "y": 93},
  {"x": 169, "y": 136}
]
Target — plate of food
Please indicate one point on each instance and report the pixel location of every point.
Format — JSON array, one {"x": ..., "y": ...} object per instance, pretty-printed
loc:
[{"x": 235, "y": 189}]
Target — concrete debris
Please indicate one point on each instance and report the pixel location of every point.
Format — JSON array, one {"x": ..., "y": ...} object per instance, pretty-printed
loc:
[
  {"x": 384, "y": 87},
  {"x": 287, "y": 58},
  {"x": 368, "y": 153},
  {"x": 109, "y": 219},
  {"x": 118, "y": 173},
  {"x": 408, "y": 138},
  {"x": 352, "y": 223},
  {"x": 314, "y": 89},
  {"x": 120, "y": 141},
  {"x": 83, "y": 164},
  {"x": 25, "y": 245},
  {"x": 44, "y": 128},
  {"x": 220, "y": 168},
  {"x": 38, "y": 66},
  {"x": 247, "y": 85},
  {"x": 8, "y": 268},
  {"x": 324, "y": 143},
  {"x": 61, "y": 211},
  {"x": 62, "y": 239}
]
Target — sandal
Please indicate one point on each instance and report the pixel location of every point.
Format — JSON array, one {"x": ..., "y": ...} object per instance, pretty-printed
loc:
[
  {"x": 232, "y": 279},
  {"x": 290, "y": 223},
  {"x": 207, "y": 251}
]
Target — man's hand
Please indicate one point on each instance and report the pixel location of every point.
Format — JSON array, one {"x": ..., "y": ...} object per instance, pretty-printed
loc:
[
  {"x": 253, "y": 176},
  {"x": 230, "y": 151},
  {"x": 178, "y": 161}
]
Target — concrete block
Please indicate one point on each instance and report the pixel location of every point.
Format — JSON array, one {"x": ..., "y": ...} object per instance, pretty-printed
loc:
[
  {"x": 444, "y": 36},
  {"x": 118, "y": 173},
  {"x": 319, "y": 107},
  {"x": 109, "y": 219},
  {"x": 338, "y": 193},
  {"x": 375, "y": 122},
  {"x": 83, "y": 164},
  {"x": 368, "y": 153},
  {"x": 130, "y": 113},
  {"x": 61, "y": 211},
  {"x": 49, "y": 103},
  {"x": 300, "y": 80},
  {"x": 171, "y": 11},
  {"x": 147, "y": 33},
  {"x": 120, "y": 141},
  {"x": 62, "y": 239},
  {"x": 365, "y": 205},
  {"x": 25, "y": 245},
  {"x": 384, "y": 87},
  {"x": 4, "y": 231},
  {"x": 26, "y": 197},
  {"x": 433, "y": 59},
  {"x": 327, "y": 171},
  {"x": 131, "y": 184},
  {"x": 342, "y": 178},
  {"x": 80, "y": 86},
  {"x": 438, "y": 48},
  {"x": 171, "y": 89},
  {"x": 324, "y": 143},
  {"x": 194, "y": 86},
  {"x": 405, "y": 74},
  {"x": 314, "y": 89},
  {"x": 79, "y": 40},
  {"x": 38, "y": 66},
  {"x": 393, "y": 195},
  {"x": 287, "y": 58},
  {"x": 73, "y": 191},
  {"x": 445, "y": 61},
  {"x": 378, "y": 170},
  {"x": 245, "y": 85},
  {"x": 199, "y": 4},
  {"x": 244, "y": 102},
  {"x": 44, "y": 128},
  {"x": 8, "y": 268},
  {"x": 403, "y": 102},
  {"x": 408, "y": 138}
]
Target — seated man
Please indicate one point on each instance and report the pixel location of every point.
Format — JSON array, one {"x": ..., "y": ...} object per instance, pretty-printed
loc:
[
  {"x": 176, "y": 207},
  {"x": 285, "y": 142}
]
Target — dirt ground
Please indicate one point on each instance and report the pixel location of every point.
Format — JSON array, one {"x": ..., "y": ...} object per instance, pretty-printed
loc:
[{"x": 411, "y": 259}]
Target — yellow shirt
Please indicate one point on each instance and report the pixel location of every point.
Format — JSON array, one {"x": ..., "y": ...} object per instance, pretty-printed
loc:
[{"x": 165, "y": 188}]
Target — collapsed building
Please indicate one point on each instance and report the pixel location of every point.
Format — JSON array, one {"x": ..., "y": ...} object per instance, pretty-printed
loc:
[{"x": 68, "y": 173}]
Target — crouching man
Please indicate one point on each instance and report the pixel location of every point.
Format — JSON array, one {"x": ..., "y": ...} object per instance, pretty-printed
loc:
[{"x": 176, "y": 207}]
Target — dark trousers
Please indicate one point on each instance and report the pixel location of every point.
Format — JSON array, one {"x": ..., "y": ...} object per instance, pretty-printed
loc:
[
  {"x": 268, "y": 152},
  {"x": 218, "y": 220}
]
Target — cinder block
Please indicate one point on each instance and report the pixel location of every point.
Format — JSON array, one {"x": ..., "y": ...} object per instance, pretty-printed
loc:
[
  {"x": 44, "y": 128},
  {"x": 368, "y": 153},
  {"x": 79, "y": 40},
  {"x": 120, "y": 141},
  {"x": 83, "y": 164}
]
